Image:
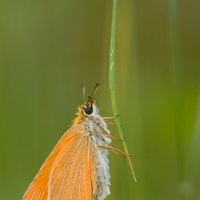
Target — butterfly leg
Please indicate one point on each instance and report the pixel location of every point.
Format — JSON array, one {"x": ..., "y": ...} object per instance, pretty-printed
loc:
[
  {"x": 110, "y": 136},
  {"x": 112, "y": 117},
  {"x": 116, "y": 151},
  {"x": 122, "y": 154}
]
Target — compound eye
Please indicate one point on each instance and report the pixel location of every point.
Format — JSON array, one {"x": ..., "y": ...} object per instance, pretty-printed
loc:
[{"x": 88, "y": 109}]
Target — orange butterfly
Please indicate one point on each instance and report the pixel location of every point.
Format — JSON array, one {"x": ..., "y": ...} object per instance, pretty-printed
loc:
[{"x": 77, "y": 168}]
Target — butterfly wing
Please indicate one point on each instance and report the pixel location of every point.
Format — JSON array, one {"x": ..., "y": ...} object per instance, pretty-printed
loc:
[
  {"x": 73, "y": 173},
  {"x": 63, "y": 155},
  {"x": 38, "y": 188}
]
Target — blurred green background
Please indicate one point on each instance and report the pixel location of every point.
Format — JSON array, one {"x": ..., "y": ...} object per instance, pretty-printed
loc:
[{"x": 48, "y": 48}]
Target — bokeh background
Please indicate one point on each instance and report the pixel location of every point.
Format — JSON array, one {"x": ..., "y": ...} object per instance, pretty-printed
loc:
[{"x": 48, "y": 48}]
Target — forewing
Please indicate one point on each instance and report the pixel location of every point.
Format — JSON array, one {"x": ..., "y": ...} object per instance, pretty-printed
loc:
[
  {"x": 73, "y": 173},
  {"x": 38, "y": 189}
]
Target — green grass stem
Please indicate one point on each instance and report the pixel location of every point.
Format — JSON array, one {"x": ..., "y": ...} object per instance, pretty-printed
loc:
[{"x": 112, "y": 66}]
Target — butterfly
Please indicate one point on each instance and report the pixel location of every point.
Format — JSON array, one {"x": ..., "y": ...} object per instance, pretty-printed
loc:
[{"x": 77, "y": 168}]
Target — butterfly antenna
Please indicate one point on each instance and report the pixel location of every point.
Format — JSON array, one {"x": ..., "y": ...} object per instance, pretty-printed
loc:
[
  {"x": 83, "y": 91},
  {"x": 95, "y": 89}
]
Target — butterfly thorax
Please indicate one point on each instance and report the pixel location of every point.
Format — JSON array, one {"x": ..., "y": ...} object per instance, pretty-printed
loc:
[
  {"x": 94, "y": 125},
  {"x": 95, "y": 129}
]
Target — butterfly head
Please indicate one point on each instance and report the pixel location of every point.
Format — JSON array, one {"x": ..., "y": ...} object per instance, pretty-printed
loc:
[{"x": 90, "y": 107}]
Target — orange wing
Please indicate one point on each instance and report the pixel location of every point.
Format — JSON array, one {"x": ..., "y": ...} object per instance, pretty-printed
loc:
[{"x": 68, "y": 172}]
